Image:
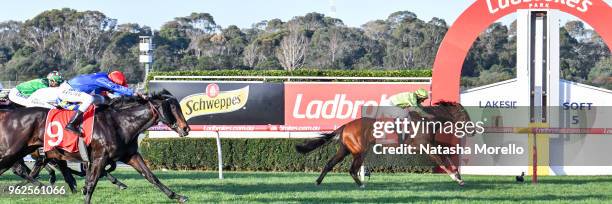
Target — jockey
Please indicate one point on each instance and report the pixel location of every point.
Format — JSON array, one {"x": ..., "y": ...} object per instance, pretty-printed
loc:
[
  {"x": 407, "y": 100},
  {"x": 80, "y": 88},
  {"x": 22, "y": 92}
]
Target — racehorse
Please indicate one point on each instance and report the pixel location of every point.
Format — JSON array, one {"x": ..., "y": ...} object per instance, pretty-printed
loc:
[
  {"x": 115, "y": 137},
  {"x": 21, "y": 170},
  {"x": 356, "y": 137}
]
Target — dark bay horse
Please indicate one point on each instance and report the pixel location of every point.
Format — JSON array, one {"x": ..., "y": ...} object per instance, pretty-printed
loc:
[
  {"x": 356, "y": 138},
  {"x": 115, "y": 138},
  {"x": 30, "y": 176}
]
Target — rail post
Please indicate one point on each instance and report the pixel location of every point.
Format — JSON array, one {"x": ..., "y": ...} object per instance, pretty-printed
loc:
[{"x": 219, "y": 155}]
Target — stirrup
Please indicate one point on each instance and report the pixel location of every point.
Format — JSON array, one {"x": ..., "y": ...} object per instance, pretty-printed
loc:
[{"x": 41, "y": 153}]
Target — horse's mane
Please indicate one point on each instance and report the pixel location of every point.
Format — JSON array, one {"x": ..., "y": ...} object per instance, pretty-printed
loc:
[
  {"x": 125, "y": 102},
  {"x": 446, "y": 103}
]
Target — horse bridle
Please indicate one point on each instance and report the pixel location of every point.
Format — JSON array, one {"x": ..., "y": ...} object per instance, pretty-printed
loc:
[{"x": 161, "y": 117}]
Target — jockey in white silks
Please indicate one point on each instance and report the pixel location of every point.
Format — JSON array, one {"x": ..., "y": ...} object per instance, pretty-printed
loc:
[{"x": 44, "y": 97}]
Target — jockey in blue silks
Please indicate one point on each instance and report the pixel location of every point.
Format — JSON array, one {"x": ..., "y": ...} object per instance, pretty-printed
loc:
[{"x": 80, "y": 89}]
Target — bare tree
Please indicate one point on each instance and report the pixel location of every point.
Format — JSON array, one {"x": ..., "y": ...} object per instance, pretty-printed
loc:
[
  {"x": 292, "y": 51},
  {"x": 250, "y": 55},
  {"x": 336, "y": 43}
]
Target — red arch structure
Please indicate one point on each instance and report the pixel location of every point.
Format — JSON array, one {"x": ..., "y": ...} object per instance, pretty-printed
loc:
[{"x": 462, "y": 34}]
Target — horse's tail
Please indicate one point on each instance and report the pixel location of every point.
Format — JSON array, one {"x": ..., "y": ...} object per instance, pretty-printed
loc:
[{"x": 325, "y": 138}]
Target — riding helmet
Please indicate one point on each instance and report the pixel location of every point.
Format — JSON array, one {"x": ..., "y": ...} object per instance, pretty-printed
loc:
[
  {"x": 422, "y": 93},
  {"x": 55, "y": 76},
  {"x": 118, "y": 78}
]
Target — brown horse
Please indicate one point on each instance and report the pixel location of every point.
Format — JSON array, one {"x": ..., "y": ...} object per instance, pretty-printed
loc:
[
  {"x": 356, "y": 138},
  {"x": 116, "y": 130}
]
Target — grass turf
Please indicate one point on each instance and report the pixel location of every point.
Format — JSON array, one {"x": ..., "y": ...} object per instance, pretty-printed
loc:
[{"x": 280, "y": 187}]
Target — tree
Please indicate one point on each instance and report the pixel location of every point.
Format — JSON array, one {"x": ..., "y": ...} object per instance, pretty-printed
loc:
[
  {"x": 250, "y": 55},
  {"x": 292, "y": 50},
  {"x": 601, "y": 74},
  {"x": 122, "y": 53}
]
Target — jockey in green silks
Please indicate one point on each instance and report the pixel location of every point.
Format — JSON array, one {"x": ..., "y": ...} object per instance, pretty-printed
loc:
[
  {"x": 398, "y": 103},
  {"x": 22, "y": 93}
]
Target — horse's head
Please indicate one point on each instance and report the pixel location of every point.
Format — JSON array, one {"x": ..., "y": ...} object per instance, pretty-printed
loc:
[
  {"x": 456, "y": 111},
  {"x": 170, "y": 112}
]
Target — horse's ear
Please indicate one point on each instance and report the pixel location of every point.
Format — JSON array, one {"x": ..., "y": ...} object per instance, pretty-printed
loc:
[{"x": 165, "y": 92}]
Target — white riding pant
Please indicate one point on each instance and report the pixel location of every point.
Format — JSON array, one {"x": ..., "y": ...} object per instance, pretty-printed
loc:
[
  {"x": 67, "y": 93},
  {"x": 16, "y": 97},
  {"x": 45, "y": 97}
]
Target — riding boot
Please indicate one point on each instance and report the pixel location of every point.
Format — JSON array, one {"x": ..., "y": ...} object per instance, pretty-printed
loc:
[
  {"x": 75, "y": 126},
  {"x": 75, "y": 123}
]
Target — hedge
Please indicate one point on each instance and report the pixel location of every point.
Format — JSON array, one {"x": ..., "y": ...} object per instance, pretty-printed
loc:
[
  {"x": 260, "y": 155},
  {"x": 301, "y": 72}
]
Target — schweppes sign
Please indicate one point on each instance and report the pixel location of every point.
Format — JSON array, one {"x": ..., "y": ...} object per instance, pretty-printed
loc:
[{"x": 214, "y": 101}]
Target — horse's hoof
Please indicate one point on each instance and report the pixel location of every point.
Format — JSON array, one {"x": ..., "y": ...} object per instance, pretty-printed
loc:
[
  {"x": 362, "y": 186},
  {"x": 318, "y": 183},
  {"x": 461, "y": 183},
  {"x": 182, "y": 199},
  {"x": 122, "y": 187}
]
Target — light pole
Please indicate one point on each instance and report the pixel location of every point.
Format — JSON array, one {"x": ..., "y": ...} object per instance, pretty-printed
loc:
[{"x": 146, "y": 53}]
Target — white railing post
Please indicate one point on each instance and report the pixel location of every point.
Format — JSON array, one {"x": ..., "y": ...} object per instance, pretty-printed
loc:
[{"x": 219, "y": 155}]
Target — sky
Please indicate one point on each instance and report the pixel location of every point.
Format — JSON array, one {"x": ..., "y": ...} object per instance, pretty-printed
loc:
[{"x": 155, "y": 13}]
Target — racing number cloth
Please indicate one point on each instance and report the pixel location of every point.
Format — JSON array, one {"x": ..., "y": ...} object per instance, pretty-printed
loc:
[{"x": 56, "y": 136}]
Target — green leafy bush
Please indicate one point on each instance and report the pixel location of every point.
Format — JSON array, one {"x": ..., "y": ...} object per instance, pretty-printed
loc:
[
  {"x": 300, "y": 72},
  {"x": 260, "y": 155}
]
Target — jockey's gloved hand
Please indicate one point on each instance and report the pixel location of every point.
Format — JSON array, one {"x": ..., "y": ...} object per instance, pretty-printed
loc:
[
  {"x": 112, "y": 95},
  {"x": 143, "y": 96}
]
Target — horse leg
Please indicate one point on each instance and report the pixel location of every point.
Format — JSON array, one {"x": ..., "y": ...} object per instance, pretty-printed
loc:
[
  {"x": 115, "y": 181},
  {"x": 438, "y": 160},
  {"x": 93, "y": 175},
  {"x": 8, "y": 160},
  {"x": 79, "y": 173},
  {"x": 65, "y": 170},
  {"x": 38, "y": 166},
  {"x": 357, "y": 162},
  {"x": 111, "y": 178},
  {"x": 2, "y": 170},
  {"x": 138, "y": 163},
  {"x": 455, "y": 169},
  {"x": 340, "y": 154},
  {"x": 20, "y": 169},
  {"x": 52, "y": 177}
]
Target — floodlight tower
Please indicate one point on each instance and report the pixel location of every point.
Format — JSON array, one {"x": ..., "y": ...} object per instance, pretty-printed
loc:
[
  {"x": 332, "y": 8},
  {"x": 146, "y": 53}
]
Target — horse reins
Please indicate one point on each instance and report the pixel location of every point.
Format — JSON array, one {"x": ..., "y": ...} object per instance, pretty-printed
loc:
[{"x": 160, "y": 116}]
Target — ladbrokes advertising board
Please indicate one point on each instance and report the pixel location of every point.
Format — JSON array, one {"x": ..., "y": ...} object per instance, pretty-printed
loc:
[
  {"x": 329, "y": 105},
  {"x": 301, "y": 106},
  {"x": 209, "y": 103}
]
